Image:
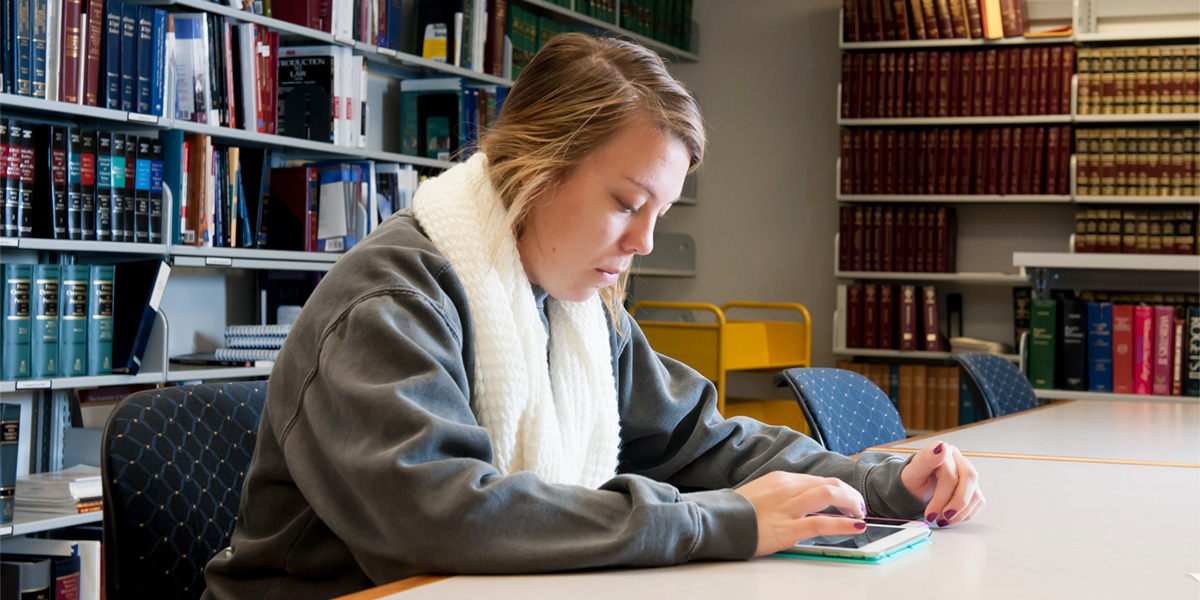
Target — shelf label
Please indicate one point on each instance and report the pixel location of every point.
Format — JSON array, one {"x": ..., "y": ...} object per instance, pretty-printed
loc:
[
  {"x": 34, "y": 384},
  {"x": 143, "y": 118},
  {"x": 8, "y": 242},
  {"x": 217, "y": 261}
]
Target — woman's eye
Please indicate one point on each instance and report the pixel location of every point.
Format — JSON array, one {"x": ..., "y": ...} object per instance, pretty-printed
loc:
[{"x": 625, "y": 208}]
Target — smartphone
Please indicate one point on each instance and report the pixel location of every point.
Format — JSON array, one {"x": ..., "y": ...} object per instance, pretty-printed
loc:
[{"x": 881, "y": 538}]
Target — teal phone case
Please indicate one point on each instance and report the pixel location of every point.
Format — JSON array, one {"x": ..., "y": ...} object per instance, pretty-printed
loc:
[{"x": 921, "y": 543}]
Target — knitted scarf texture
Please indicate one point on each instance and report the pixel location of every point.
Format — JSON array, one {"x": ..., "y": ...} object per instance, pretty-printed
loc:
[{"x": 552, "y": 413}]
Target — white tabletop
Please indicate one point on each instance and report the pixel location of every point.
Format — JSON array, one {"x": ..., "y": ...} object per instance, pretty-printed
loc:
[
  {"x": 1051, "y": 530},
  {"x": 1120, "y": 431}
]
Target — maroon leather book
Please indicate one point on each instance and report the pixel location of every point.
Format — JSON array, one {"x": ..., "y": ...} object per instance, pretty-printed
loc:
[
  {"x": 989, "y": 83},
  {"x": 943, "y": 161},
  {"x": 889, "y": 20},
  {"x": 942, "y": 93},
  {"x": 1054, "y": 81},
  {"x": 952, "y": 168},
  {"x": 859, "y": 160},
  {"x": 91, "y": 67},
  {"x": 848, "y": 91},
  {"x": 958, "y": 19},
  {"x": 994, "y": 160},
  {"x": 918, "y": 20},
  {"x": 911, "y": 237},
  {"x": 1000, "y": 99},
  {"x": 1025, "y": 78},
  {"x": 871, "y": 30},
  {"x": 854, "y": 315},
  {"x": 1064, "y": 76},
  {"x": 911, "y": 170},
  {"x": 980, "y": 162},
  {"x": 1041, "y": 82},
  {"x": 845, "y": 238},
  {"x": 849, "y": 20},
  {"x": 1013, "y": 87},
  {"x": 886, "y": 254},
  {"x": 929, "y": 14},
  {"x": 887, "y": 317},
  {"x": 900, "y": 74},
  {"x": 931, "y": 83},
  {"x": 868, "y": 239},
  {"x": 965, "y": 75},
  {"x": 900, "y": 17},
  {"x": 870, "y": 83},
  {"x": 858, "y": 77},
  {"x": 966, "y": 145},
  {"x": 931, "y": 339},
  {"x": 900, "y": 238},
  {"x": 922, "y": 242},
  {"x": 305, "y": 13},
  {"x": 1016, "y": 151},
  {"x": 978, "y": 60},
  {"x": 887, "y": 81},
  {"x": 875, "y": 176},
  {"x": 921, "y": 160},
  {"x": 952, "y": 84},
  {"x": 1027, "y": 140},
  {"x": 920, "y": 69},
  {"x": 72, "y": 51},
  {"x": 870, "y": 318},
  {"x": 1064, "y": 158},
  {"x": 858, "y": 245},
  {"x": 1011, "y": 19},
  {"x": 877, "y": 249},
  {"x": 889, "y": 161},
  {"x": 1006, "y": 145},
  {"x": 931, "y": 162},
  {"x": 1164, "y": 345},
  {"x": 974, "y": 19},
  {"x": 497, "y": 23},
  {"x": 910, "y": 78},
  {"x": 1039, "y": 161},
  {"x": 847, "y": 171},
  {"x": 908, "y": 328},
  {"x": 1052, "y": 173},
  {"x": 944, "y": 21}
]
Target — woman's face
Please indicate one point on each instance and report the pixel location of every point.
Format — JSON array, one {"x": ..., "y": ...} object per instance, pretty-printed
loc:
[{"x": 584, "y": 230}]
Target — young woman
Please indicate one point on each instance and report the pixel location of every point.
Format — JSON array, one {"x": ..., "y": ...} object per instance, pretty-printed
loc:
[{"x": 464, "y": 392}]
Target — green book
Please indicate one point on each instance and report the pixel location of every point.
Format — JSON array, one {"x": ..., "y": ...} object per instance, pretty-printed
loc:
[
  {"x": 72, "y": 316},
  {"x": 16, "y": 362},
  {"x": 44, "y": 335},
  {"x": 1042, "y": 350},
  {"x": 100, "y": 320}
]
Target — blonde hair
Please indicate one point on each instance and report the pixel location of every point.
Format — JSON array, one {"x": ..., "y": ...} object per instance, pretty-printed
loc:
[{"x": 572, "y": 98}]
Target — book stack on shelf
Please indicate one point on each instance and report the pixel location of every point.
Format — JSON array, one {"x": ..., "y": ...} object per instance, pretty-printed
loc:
[
  {"x": 253, "y": 342},
  {"x": 1136, "y": 231},
  {"x": 1141, "y": 344},
  {"x": 888, "y": 238},
  {"x": 229, "y": 70},
  {"x": 1139, "y": 80},
  {"x": 888, "y": 317},
  {"x": 73, "y": 565},
  {"x": 882, "y": 20},
  {"x": 1137, "y": 162},
  {"x": 928, "y": 398},
  {"x": 74, "y": 490}
]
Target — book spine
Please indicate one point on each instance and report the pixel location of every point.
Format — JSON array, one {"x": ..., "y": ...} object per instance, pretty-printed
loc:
[
  {"x": 129, "y": 49},
  {"x": 158, "y": 67},
  {"x": 103, "y": 213},
  {"x": 44, "y": 333},
  {"x": 1178, "y": 365},
  {"x": 74, "y": 184},
  {"x": 931, "y": 337},
  {"x": 1073, "y": 358},
  {"x": 1164, "y": 344},
  {"x": 1143, "y": 344},
  {"x": 887, "y": 317},
  {"x": 72, "y": 313},
  {"x": 129, "y": 214},
  {"x": 154, "y": 219},
  {"x": 1122, "y": 348},
  {"x": 38, "y": 24},
  {"x": 117, "y": 192},
  {"x": 72, "y": 51},
  {"x": 1192, "y": 383},
  {"x": 26, "y": 186},
  {"x": 144, "y": 62},
  {"x": 91, "y": 66},
  {"x": 112, "y": 55},
  {"x": 17, "y": 325},
  {"x": 1100, "y": 350},
  {"x": 22, "y": 32},
  {"x": 1042, "y": 350},
  {"x": 10, "y": 429},
  {"x": 100, "y": 320},
  {"x": 87, "y": 184},
  {"x": 10, "y": 162},
  {"x": 854, "y": 315},
  {"x": 870, "y": 315}
]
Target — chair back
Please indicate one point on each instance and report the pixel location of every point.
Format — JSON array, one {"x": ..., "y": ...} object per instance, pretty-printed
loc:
[
  {"x": 845, "y": 411},
  {"x": 997, "y": 385},
  {"x": 173, "y": 462}
]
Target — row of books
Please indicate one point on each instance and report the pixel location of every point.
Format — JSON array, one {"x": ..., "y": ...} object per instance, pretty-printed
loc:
[
  {"x": 1120, "y": 348},
  {"x": 69, "y": 183},
  {"x": 963, "y": 83},
  {"x": 443, "y": 117},
  {"x": 70, "y": 321},
  {"x": 1139, "y": 80},
  {"x": 959, "y": 160},
  {"x": 1112, "y": 230},
  {"x": 890, "y": 317},
  {"x": 90, "y": 52},
  {"x": 881, "y": 20},
  {"x": 897, "y": 238},
  {"x": 927, "y": 398},
  {"x": 1137, "y": 162}
]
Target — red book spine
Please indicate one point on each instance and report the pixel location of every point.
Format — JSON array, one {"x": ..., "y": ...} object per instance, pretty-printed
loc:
[
  {"x": 966, "y": 95},
  {"x": 887, "y": 317},
  {"x": 900, "y": 18},
  {"x": 876, "y": 174},
  {"x": 1027, "y": 152},
  {"x": 877, "y": 238},
  {"x": 875, "y": 10},
  {"x": 858, "y": 161},
  {"x": 1164, "y": 350},
  {"x": 922, "y": 239},
  {"x": 887, "y": 90},
  {"x": 887, "y": 260},
  {"x": 910, "y": 234},
  {"x": 1064, "y": 159},
  {"x": 847, "y": 182},
  {"x": 870, "y": 326},
  {"x": 1122, "y": 347},
  {"x": 952, "y": 169},
  {"x": 918, "y": 20},
  {"x": 1025, "y": 78},
  {"x": 1054, "y": 81},
  {"x": 1178, "y": 364},
  {"x": 920, "y": 70},
  {"x": 981, "y": 162},
  {"x": 943, "y": 84},
  {"x": 1013, "y": 86},
  {"x": 849, "y": 20},
  {"x": 1143, "y": 343},
  {"x": 870, "y": 83},
  {"x": 910, "y": 162},
  {"x": 943, "y": 161},
  {"x": 1052, "y": 174},
  {"x": 995, "y": 157},
  {"x": 854, "y": 315},
  {"x": 953, "y": 88},
  {"x": 1000, "y": 100},
  {"x": 931, "y": 339},
  {"x": 95, "y": 35},
  {"x": 931, "y": 21},
  {"x": 989, "y": 83},
  {"x": 900, "y": 74},
  {"x": 72, "y": 50},
  {"x": 848, "y": 90},
  {"x": 899, "y": 238},
  {"x": 1010, "y": 18},
  {"x": 931, "y": 83},
  {"x": 974, "y": 19},
  {"x": 889, "y": 162},
  {"x": 1039, "y": 159},
  {"x": 857, "y": 79},
  {"x": 908, "y": 317},
  {"x": 944, "y": 22},
  {"x": 1041, "y": 83},
  {"x": 964, "y": 162},
  {"x": 942, "y": 236},
  {"x": 857, "y": 245},
  {"x": 931, "y": 161},
  {"x": 1006, "y": 146},
  {"x": 845, "y": 238}
]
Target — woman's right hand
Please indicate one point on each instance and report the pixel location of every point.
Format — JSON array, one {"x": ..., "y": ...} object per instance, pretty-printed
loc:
[{"x": 784, "y": 500}]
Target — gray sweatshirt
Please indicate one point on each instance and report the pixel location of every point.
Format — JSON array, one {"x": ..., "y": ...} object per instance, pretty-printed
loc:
[{"x": 370, "y": 466}]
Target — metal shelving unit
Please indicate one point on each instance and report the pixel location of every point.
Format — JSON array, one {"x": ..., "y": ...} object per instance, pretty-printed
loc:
[
  {"x": 79, "y": 111},
  {"x": 25, "y": 522},
  {"x": 188, "y": 372},
  {"x": 1108, "y": 397},
  {"x": 664, "y": 50}
]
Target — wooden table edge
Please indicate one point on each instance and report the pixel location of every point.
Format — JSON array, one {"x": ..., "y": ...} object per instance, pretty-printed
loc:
[
  {"x": 1082, "y": 459},
  {"x": 386, "y": 589}
]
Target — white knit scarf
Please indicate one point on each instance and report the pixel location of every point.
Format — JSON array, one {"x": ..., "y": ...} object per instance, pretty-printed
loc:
[{"x": 556, "y": 417}]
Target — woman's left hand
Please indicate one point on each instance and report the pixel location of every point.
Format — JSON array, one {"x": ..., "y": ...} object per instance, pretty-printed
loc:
[{"x": 946, "y": 481}]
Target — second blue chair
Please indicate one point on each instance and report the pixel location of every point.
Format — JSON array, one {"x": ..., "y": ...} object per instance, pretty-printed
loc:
[
  {"x": 846, "y": 412},
  {"x": 997, "y": 385}
]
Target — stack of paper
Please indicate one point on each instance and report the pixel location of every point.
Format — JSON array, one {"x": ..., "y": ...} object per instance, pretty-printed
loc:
[{"x": 69, "y": 491}]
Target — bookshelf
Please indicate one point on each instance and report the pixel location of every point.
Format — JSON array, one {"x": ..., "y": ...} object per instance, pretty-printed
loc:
[{"x": 29, "y": 522}]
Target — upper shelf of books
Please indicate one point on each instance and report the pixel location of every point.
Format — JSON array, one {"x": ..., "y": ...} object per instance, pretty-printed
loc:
[
  {"x": 975, "y": 23},
  {"x": 1112, "y": 262}
]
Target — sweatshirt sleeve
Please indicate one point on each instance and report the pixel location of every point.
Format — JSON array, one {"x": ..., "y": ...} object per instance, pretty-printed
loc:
[
  {"x": 384, "y": 446},
  {"x": 672, "y": 432}
]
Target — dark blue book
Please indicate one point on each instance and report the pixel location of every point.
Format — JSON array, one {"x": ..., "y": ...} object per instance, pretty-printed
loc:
[
  {"x": 129, "y": 57},
  {"x": 10, "y": 427},
  {"x": 1073, "y": 363},
  {"x": 145, "y": 57},
  {"x": 100, "y": 320},
  {"x": 22, "y": 32},
  {"x": 1099, "y": 351},
  {"x": 156, "y": 191},
  {"x": 38, "y": 25},
  {"x": 111, "y": 82},
  {"x": 130, "y": 210},
  {"x": 141, "y": 186},
  {"x": 87, "y": 184},
  {"x": 158, "y": 59},
  {"x": 16, "y": 329},
  {"x": 141, "y": 283},
  {"x": 43, "y": 337},
  {"x": 72, "y": 314},
  {"x": 103, "y": 186},
  {"x": 392, "y": 37},
  {"x": 6, "y": 65}
]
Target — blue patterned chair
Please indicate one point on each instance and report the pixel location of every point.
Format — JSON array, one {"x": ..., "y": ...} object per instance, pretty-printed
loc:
[
  {"x": 996, "y": 384},
  {"x": 173, "y": 462},
  {"x": 845, "y": 411}
]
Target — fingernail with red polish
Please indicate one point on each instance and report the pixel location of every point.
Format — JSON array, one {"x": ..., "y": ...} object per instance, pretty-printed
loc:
[
  {"x": 860, "y": 525},
  {"x": 950, "y": 513},
  {"x": 938, "y": 450},
  {"x": 943, "y": 523},
  {"x": 931, "y": 517}
]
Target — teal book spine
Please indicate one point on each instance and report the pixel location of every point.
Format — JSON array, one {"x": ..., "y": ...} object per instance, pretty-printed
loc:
[
  {"x": 72, "y": 315},
  {"x": 44, "y": 337},
  {"x": 16, "y": 362},
  {"x": 10, "y": 427},
  {"x": 100, "y": 320}
]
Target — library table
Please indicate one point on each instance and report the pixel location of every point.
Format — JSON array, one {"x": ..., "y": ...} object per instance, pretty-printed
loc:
[
  {"x": 1051, "y": 529},
  {"x": 1150, "y": 433}
]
